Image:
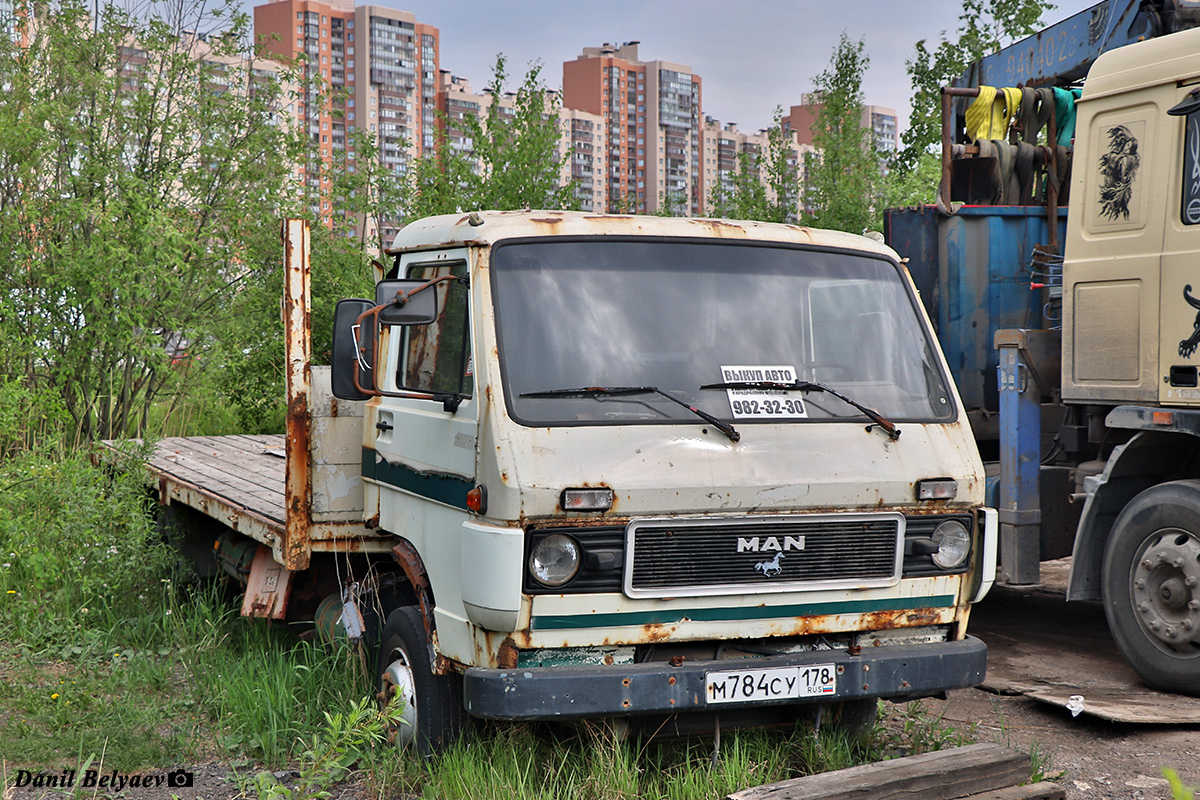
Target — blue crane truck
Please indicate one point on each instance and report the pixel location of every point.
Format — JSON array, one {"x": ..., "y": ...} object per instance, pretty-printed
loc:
[{"x": 1073, "y": 335}]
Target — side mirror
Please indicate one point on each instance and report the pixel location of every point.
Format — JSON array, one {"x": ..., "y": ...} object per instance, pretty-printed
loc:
[
  {"x": 353, "y": 350},
  {"x": 416, "y": 306}
]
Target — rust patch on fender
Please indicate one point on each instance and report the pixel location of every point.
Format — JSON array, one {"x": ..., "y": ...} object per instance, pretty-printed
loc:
[
  {"x": 507, "y": 657},
  {"x": 410, "y": 562}
]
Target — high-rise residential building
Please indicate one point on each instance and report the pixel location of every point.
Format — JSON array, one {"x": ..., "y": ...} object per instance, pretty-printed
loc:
[
  {"x": 582, "y": 141},
  {"x": 8, "y": 19},
  {"x": 880, "y": 121},
  {"x": 652, "y": 125},
  {"x": 580, "y": 144},
  {"x": 724, "y": 145},
  {"x": 382, "y": 65}
]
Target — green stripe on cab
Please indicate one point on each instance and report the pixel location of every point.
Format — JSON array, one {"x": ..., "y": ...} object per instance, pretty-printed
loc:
[
  {"x": 449, "y": 489},
  {"x": 674, "y": 616}
]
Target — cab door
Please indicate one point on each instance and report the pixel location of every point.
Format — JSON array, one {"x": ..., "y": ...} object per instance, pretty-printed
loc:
[{"x": 425, "y": 450}]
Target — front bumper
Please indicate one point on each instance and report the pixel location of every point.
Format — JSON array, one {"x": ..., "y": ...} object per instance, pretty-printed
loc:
[{"x": 657, "y": 687}]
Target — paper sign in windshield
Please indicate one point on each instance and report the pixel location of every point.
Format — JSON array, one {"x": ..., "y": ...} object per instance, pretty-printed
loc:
[{"x": 763, "y": 403}]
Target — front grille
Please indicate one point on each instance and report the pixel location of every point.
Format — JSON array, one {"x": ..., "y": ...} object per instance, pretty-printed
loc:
[{"x": 681, "y": 557}]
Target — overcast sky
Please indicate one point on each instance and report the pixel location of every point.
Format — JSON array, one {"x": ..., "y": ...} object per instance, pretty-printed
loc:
[{"x": 752, "y": 55}]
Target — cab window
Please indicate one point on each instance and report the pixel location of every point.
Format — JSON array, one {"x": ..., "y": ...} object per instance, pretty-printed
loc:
[{"x": 437, "y": 357}]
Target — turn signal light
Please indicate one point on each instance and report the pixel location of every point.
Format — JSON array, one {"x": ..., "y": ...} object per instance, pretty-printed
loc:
[
  {"x": 586, "y": 499},
  {"x": 937, "y": 489},
  {"x": 477, "y": 499}
]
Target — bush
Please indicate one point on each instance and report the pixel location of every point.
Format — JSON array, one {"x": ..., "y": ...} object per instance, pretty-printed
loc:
[{"x": 78, "y": 546}]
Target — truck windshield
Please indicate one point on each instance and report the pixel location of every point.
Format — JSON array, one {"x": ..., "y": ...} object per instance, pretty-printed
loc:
[{"x": 677, "y": 315}]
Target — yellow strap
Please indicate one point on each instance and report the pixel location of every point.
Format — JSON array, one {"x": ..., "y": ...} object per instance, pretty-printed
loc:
[
  {"x": 989, "y": 114},
  {"x": 1012, "y": 103},
  {"x": 979, "y": 114}
]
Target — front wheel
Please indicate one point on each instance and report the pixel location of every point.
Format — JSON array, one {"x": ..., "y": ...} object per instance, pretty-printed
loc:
[
  {"x": 1152, "y": 585},
  {"x": 432, "y": 717}
]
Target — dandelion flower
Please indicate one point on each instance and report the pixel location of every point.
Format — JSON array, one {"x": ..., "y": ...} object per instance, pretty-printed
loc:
[{"x": 54, "y": 696}]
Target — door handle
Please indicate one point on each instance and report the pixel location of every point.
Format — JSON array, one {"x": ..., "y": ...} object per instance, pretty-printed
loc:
[{"x": 384, "y": 426}]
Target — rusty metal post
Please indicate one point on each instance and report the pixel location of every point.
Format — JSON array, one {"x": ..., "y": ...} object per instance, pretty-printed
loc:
[
  {"x": 297, "y": 310},
  {"x": 947, "y": 148},
  {"x": 948, "y": 95}
]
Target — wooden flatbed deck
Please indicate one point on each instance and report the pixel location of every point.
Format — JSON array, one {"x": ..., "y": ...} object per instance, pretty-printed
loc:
[
  {"x": 243, "y": 474},
  {"x": 241, "y": 482}
]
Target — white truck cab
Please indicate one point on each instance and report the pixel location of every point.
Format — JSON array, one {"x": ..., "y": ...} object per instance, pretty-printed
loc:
[{"x": 639, "y": 466}]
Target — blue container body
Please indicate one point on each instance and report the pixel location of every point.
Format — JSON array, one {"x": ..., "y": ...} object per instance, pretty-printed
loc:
[{"x": 973, "y": 272}]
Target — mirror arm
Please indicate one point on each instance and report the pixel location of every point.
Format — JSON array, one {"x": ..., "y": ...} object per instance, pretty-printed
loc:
[{"x": 401, "y": 299}]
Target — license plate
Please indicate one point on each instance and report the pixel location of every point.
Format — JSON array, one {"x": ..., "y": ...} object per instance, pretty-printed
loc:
[{"x": 776, "y": 683}]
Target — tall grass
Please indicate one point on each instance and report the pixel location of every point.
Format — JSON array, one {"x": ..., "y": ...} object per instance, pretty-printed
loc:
[{"x": 110, "y": 653}]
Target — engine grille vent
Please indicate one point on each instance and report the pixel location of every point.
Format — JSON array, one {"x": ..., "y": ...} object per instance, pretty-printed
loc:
[{"x": 681, "y": 557}]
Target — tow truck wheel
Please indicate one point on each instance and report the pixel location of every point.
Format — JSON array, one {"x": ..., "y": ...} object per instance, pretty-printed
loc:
[
  {"x": 1152, "y": 585},
  {"x": 432, "y": 717}
]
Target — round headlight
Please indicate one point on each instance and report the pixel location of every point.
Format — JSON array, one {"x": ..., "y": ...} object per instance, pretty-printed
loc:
[
  {"x": 954, "y": 544},
  {"x": 554, "y": 560}
]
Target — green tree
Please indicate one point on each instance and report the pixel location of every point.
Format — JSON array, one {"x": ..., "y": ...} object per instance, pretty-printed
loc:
[
  {"x": 142, "y": 172},
  {"x": 844, "y": 170},
  {"x": 512, "y": 159},
  {"x": 984, "y": 27},
  {"x": 766, "y": 184}
]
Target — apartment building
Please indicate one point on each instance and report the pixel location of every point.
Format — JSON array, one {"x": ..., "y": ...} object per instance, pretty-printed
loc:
[
  {"x": 723, "y": 146},
  {"x": 8, "y": 19},
  {"x": 580, "y": 145},
  {"x": 650, "y": 113},
  {"x": 582, "y": 140},
  {"x": 382, "y": 66},
  {"x": 885, "y": 134}
]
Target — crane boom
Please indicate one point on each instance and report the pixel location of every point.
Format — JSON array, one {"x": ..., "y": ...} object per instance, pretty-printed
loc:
[{"x": 1063, "y": 52}]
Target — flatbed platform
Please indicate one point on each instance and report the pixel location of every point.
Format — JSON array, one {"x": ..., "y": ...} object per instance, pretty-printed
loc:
[
  {"x": 244, "y": 475},
  {"x": 240, "y": 481}
]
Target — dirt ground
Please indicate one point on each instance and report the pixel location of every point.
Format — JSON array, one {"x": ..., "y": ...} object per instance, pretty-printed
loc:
[{"x": 1040, "y": 645}]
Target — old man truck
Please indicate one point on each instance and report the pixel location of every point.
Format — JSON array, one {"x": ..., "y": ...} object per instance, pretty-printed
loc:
[{"x": 568, "y": 465}]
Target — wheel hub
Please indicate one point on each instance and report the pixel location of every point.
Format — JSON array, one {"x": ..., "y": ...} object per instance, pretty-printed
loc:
[
  {"x": 398, "y": 682},
  {"x": 1166, "y": 589}
]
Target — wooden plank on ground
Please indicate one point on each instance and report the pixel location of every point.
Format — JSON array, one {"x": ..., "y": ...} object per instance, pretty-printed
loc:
[
  {"x": 1033, "y": 791},
  {"x": 942, "y": 775}
]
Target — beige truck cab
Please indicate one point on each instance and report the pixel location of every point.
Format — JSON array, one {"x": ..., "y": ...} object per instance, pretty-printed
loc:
[{"x": 1130, "y": 333}]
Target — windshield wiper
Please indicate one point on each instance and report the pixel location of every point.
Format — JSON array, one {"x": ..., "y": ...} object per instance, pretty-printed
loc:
[
  {"x": 885, "y": 425},
  {"x": 615, "y": 391}
]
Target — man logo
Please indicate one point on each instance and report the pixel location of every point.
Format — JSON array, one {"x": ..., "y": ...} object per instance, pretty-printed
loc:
[{"x": 769, "y": 544}]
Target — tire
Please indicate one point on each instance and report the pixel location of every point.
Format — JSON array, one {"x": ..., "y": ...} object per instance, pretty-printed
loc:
[
  {"x": 1151, "y": 586},
  {"x": 433, "y": 715}
]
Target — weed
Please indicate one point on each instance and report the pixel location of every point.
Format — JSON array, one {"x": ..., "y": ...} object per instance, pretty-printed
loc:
[
  {"x": 1178, "y": 790},
  {"x": 266, "y": 688},
  {"x": 1041, "y": 763},
  {"x": 345, "y": 740},
  {"x": 911, "y": 729}
]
